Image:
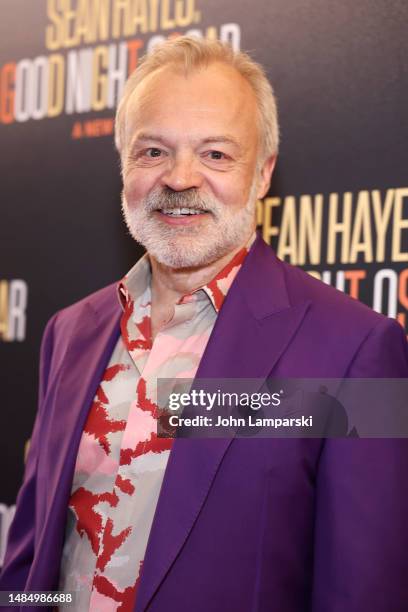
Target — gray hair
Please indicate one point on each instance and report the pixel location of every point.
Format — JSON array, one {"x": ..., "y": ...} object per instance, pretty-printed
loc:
[{"x": 191, "y": 53}]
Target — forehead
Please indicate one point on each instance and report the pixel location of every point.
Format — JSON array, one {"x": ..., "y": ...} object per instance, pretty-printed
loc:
[{"x": 216, "y": 98}]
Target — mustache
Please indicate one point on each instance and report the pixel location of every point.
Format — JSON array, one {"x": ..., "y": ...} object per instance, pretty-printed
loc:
[{"x": 169, "y": 199}]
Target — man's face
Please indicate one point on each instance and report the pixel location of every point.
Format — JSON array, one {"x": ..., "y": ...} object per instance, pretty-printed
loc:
[{"x": 189, "y": 170}]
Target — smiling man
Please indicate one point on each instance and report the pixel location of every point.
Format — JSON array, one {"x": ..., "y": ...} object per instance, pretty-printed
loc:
[
  {"x": 194, "y": 163},
  {"x": 127, "y": 520}
]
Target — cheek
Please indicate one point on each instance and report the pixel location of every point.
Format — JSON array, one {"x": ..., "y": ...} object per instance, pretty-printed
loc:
[
  {"x": 232, "y": 193},
  {"x": 136, "y": 186}
]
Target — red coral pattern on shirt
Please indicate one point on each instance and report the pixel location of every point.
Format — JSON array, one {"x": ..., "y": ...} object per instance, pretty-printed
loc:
[
  {"x": 125, "y": 598},
  {"x": 99, "y": 425},
  {"x": 124, "y": 485},
  {"x": 110, "y": 543},
  {"x": 89, "y": 521}
]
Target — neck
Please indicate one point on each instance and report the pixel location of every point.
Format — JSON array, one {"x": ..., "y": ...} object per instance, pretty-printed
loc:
[{"x": 170, "y": 284}]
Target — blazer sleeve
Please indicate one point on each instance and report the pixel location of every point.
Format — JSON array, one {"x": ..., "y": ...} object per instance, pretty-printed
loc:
[
  {"x": 361, "y": 528},
  {"x": 20, "y": 544}
]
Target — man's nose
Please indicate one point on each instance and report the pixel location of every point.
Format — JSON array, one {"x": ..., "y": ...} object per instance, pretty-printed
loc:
[{"x": 182, "y": 173}]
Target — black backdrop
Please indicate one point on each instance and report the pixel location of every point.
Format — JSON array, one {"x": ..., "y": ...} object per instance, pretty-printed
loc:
[{"x": 340, "y": 74}]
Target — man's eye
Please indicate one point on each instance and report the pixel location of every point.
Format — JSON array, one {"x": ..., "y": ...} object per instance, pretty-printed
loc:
[
  {"x": 216, "y": 155},
  {"x": 153, "y": 152}
]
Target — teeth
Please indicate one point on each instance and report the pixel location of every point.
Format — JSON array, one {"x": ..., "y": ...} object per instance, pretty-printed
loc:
[{"x": 176, "y": 212}]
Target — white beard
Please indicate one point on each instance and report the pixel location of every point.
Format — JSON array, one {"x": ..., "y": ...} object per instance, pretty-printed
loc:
[{"x": 219, "y": 233}]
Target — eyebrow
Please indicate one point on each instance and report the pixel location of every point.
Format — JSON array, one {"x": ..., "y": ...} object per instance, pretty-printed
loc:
[
  {"x": 144, "y": 137},
  {"x": 149, "y": 137},
  {"x": 223, "y": 139}
]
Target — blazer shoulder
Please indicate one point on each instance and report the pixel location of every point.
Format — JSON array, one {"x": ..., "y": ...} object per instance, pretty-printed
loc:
[
  {"x": 103, "y": 300},
  {"x": 287, "y": 285},
  {"x": 346, "y": 332},
  {"x": 327, "y": 301}
]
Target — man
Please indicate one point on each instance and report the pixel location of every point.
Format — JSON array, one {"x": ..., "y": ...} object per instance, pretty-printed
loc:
[{"x": 129, "y": 520}]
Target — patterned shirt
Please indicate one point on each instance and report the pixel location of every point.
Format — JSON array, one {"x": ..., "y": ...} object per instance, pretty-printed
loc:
[{"x": 121, "y": 461}]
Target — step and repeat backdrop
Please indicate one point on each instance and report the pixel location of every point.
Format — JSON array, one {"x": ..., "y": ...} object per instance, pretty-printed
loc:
[{"x": 338, "y": 206}]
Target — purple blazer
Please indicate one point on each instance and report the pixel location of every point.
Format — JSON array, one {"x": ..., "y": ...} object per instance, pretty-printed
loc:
[{"x": 242, "y": 525}]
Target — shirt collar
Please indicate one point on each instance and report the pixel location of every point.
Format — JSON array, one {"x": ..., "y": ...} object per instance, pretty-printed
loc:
[
  {"x": 138, "y": 279},
  {"x": 135, "y": 282}
]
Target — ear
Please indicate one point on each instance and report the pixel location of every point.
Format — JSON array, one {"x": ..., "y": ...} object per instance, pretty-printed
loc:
[{"x": 265, "y": 176}]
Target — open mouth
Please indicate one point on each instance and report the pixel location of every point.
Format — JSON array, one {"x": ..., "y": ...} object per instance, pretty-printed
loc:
[{"x": 181, "y": 212}]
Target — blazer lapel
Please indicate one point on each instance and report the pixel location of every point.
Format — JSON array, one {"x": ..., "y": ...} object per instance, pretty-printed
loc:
[
  {"x": 92, "y": 341},
  {"x": 254, "y": 327}
]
